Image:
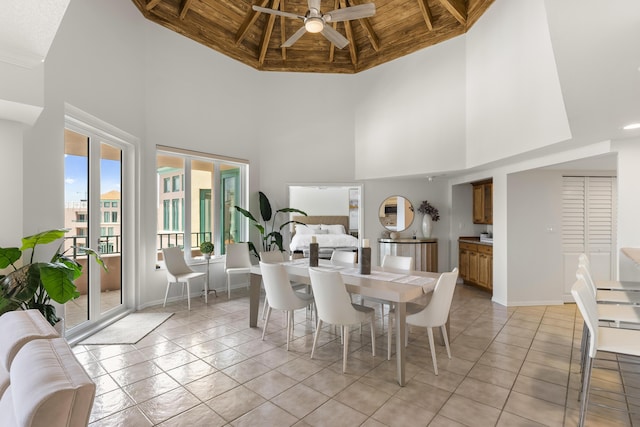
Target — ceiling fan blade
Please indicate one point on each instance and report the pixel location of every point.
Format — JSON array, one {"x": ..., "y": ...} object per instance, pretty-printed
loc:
[
  {"x": 294, "y": 38},
  {"x": 314, "y": 4},
  {"x": 335, "y": 37},
  {"x": 276, "y": 12},
  {"x": 354, "y": 12}
]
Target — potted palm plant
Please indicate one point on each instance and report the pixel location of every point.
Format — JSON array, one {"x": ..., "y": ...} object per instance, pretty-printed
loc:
[
  {"x": 33, "y": 284},
  {"x": 270, "y": 235}
]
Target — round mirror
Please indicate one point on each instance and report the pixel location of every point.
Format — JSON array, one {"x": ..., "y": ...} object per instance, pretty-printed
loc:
[{"x": 396, "y": 213}]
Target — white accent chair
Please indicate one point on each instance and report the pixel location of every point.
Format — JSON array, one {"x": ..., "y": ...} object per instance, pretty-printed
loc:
[
  {"x": 48, "y": 387},
  {"x": 433, "y": 315},
  {"x": 16, "y": 329},
  {"x": 281, "y": 295},
  {"x": 333, "y": 306},
  {"x": 179, "y": 272},
  {"x": 600, "y": 339},
  {"x": 237, "y": 261}
]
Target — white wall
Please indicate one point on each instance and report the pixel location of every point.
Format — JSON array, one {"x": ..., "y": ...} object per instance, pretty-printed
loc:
[
  {"x": 409, "y": 114},
  {"x": 11, "y": 177},
  {"x": 534, "y": 217},
  {"x": 320, "y": 200},
  {"x": 514, "y": 100},
  {"x": 628, "y": 204}
]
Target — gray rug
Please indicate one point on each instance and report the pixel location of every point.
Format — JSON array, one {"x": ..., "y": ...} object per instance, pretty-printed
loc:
[{"x": 128, "y": 330}]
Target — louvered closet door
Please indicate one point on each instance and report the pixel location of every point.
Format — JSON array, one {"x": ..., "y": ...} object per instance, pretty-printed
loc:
[{"x": 588, "y": 226}]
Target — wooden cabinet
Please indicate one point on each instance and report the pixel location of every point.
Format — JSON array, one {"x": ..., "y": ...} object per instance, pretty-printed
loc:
[
  {"x": 423, "y": 251},
  {"x": 483, "y": 202},
  {"x": 475, "y": 264}
]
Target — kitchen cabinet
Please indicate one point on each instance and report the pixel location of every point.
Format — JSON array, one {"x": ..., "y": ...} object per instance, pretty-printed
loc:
[
  {"x": 475, "y": 263},
  {"x": 483, "y": 202}
]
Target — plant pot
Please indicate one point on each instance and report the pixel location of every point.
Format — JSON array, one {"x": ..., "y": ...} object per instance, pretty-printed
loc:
[
  {"x": 207, "y": 256},
  {"x": 427, "y": 226}
]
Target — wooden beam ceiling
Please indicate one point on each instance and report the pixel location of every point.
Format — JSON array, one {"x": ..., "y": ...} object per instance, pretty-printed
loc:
[{"x": 232, "y": 27}]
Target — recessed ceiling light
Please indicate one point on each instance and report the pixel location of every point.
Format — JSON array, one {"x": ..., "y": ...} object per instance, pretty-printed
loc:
[{"x": 632, "y": 126}]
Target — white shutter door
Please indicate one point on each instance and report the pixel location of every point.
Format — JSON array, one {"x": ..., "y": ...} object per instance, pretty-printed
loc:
[{"x": 588, "y": 226}]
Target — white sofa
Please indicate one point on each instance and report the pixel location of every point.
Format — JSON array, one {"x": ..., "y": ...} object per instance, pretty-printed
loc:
[{"x": 41, "y": 381}]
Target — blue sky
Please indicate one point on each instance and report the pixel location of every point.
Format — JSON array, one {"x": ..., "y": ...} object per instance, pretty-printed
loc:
[{"x": 75, "y": 177}]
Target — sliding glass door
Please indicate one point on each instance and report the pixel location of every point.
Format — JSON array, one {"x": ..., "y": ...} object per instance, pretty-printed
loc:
[{"x": 93, "y": 214}]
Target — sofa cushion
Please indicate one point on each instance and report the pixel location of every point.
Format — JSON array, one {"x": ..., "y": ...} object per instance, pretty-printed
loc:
[{"x": 49, "y": 387}]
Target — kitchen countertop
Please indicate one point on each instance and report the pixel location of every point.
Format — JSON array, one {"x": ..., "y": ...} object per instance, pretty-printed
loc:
[{"x": 474, "y": 240}]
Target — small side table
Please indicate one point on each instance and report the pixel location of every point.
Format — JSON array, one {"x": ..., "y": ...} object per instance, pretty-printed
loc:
[{"x": 206, "y": 285}]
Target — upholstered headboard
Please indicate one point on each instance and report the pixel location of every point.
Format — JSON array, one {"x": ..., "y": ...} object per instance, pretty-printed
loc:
[{"x": 323, "y": 219}]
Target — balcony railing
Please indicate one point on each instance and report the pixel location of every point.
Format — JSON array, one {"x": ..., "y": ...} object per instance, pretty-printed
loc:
[{"x": 112, "y": 244}]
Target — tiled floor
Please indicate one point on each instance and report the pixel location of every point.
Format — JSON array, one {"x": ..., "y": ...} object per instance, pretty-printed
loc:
[{"x": 206, "y": 367}]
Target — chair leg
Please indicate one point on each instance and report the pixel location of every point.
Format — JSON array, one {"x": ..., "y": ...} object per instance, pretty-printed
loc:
[
  {"x": 433, "y": 350},
  {"x": 345, "y": 347},
  {"x": 373, "y": 334},
  {"x": 228, "y": 286},
  {"x": 264, "y": 307},
  {"x": 266, "y": 322},
  {"x": 389, "y": 336},
  {"x": 315, "y": 336},
  {"x": 443, "y": 328},
  {"x": 187, "y": 283},
  {"x": 166, "y": 294},
  {"x": 585, "y": 390},
  {"x": 288, "y": 327}
]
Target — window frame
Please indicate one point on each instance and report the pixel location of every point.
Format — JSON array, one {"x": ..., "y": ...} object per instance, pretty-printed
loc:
[{"x": 186, "y": 213}]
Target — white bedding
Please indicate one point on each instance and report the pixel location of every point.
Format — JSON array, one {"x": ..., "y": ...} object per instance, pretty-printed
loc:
[{"x": 301, "y": 241}]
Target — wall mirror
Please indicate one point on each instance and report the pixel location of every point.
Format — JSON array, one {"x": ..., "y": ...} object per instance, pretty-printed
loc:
[
  {"x": 396, "y": 213},
  {"x": 330, "y": 199}
]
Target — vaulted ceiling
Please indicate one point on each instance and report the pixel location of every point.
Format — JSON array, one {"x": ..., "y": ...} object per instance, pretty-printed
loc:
[{"x": 232, "y": 27}]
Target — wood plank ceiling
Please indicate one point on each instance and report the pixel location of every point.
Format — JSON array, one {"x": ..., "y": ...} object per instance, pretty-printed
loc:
[{"x": 231, "y": 27}]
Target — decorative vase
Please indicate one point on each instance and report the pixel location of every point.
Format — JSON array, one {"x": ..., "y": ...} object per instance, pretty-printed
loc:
[{"x": 427, "y": 226}]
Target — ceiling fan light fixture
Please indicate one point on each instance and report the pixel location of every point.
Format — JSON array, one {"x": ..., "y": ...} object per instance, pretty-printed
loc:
[{"x": 314, "y": 24}]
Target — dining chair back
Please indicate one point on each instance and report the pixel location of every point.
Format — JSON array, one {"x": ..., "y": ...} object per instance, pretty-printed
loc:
[
  {"x": 333, "y": 306},
  {"x": 344, "y": 257},
  {"x": 179, "y": 272},
  {"x": 272, "y": 256},
  {"x": 237, "y": 261},
  {"x": 436, "y": 312},
  {"x": 281, "y": 295},
  {"x": 398, "y": 262}
]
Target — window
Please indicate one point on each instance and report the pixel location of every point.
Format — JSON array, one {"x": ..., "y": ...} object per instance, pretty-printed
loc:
[
  {"x": 175, "y": 215},
  {"x": 200, "y": 207},
  {"x": 106, "y": 216},
  {"x": 114, "y": 216},
  {"x": 114, "y": 204},
  {"x": 166, "y": 182},
  {"x": 82, "y": 217},
  {"x": 109, "y": 231},
  {"x": 165, "y": 215}
]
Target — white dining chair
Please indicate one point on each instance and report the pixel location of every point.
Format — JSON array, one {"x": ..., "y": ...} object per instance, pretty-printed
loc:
[
  {"x": 237, "y": 262},
  {"x": 276, "y": 257},
  {"x": 432, "y": 315},
  {"x": 343, "y": 257},
  {"x": 619, "y": 296},
  {"x": 281, "y": 295},
  {"x": 583, "y": 261},
  {"x": 600, "y": 339},
  {"x": 179, "y": 272},
  {"x": 395, "y": 262},
  {"x": 333, "y": 306}
]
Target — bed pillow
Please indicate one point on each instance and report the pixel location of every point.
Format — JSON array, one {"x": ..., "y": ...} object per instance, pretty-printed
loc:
[
  {"x": 307, "y": 229},
  {"x": 333, "y": 229}
]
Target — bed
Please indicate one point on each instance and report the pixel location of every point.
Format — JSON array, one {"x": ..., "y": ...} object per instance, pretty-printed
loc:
[{"x": 330, "y": 232}]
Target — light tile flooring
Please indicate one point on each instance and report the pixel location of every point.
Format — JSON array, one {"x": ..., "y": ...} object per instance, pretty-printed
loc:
[{"x": 510, "y": 367}]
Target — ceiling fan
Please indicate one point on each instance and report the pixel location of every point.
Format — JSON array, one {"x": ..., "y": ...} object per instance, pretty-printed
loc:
[{"x": 315, "y": 21}]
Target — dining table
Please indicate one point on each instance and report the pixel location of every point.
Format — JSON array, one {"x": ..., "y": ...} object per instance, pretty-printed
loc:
[{"x": 396, "y": 286}]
